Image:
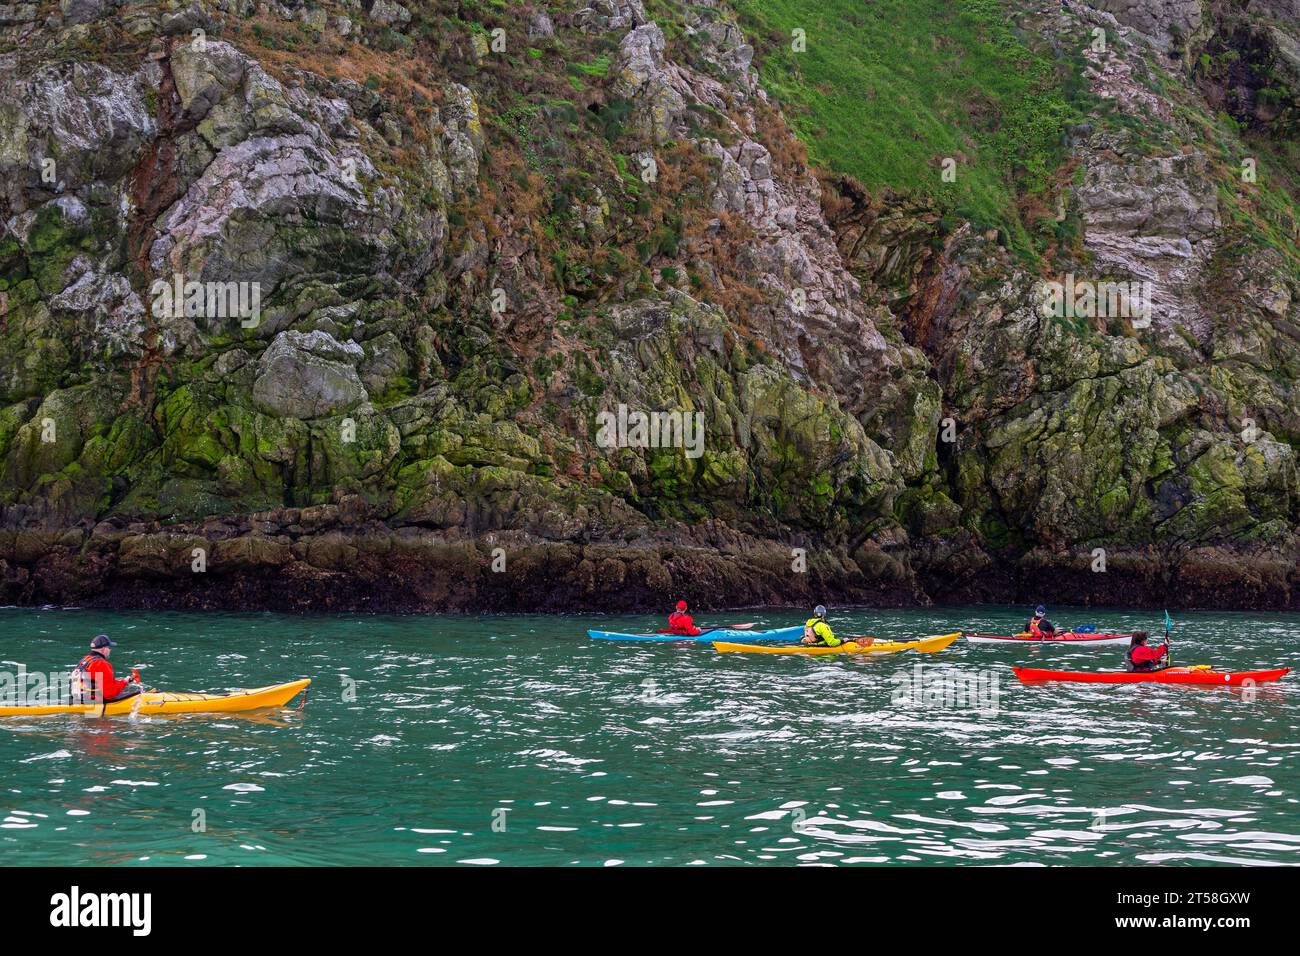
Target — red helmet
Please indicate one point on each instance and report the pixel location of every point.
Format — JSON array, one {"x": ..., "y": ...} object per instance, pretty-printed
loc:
[{"x": 681, "y": 605}]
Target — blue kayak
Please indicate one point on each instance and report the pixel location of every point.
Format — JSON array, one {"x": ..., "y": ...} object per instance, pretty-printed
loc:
[{"x": 777, "y": 634}]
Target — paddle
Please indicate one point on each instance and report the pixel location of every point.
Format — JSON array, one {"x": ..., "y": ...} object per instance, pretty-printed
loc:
[
  {"x": 704, "y": 629},
  {"x": 1169, "y": 653}
]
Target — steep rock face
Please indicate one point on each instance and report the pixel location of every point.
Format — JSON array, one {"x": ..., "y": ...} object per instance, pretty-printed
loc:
[
  {"x": 352, "y": 322},
  {"x": 812, "y": 312},
  {"x": 1250, "y": 69},
  {"x": 1086, "y": 433},
  {"x": 809, "y": 461}
]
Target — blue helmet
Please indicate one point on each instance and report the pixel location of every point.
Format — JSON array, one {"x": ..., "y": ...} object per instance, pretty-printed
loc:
[
  {"x": 819, "y": 610},
  {"x": 1040, "y": 611}
]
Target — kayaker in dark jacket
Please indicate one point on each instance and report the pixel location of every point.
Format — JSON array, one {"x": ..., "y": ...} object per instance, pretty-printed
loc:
[
  {"x": 1143, "y": 658},
  {"x": 93, "y": 680},
  {"x": 679, "y": 622},
  {"x": 1038, "y": 625}
]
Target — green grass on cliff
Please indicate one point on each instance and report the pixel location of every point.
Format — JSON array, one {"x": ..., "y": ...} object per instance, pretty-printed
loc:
[{"x": 887, "y": 89}]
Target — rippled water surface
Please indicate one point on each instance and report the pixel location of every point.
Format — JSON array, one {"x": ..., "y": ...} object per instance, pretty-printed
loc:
[{"x": 516, "y": 740}]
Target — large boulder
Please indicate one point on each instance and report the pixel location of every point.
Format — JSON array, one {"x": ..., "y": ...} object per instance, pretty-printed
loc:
[{"x": 308, "y": 375}]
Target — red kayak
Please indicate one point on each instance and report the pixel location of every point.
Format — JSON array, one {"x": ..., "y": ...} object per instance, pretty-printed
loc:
[
  {"x": 1066, "y": 638},
  {"x": 1170, "y": 675}
]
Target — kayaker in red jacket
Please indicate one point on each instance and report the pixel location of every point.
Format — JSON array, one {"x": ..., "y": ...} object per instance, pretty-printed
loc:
[
  {"x": 679, "y": 622},
  {"x": 1141, "y": 657},
  {"x": 93, "y": 680}
]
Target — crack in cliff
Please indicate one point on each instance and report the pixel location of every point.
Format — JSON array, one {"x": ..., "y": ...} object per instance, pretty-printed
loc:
[{"x": 154, "y": 185}]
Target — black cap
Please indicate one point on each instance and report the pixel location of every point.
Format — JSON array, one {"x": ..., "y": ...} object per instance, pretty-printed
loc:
[{"x": 103, "y": 640}]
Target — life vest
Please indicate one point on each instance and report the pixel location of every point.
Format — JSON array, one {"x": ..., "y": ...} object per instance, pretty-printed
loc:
[
  {"x": 1041, "y": 628},
  {"x": 821, "y": 632},
  {"x": 1142, "y": 667},
  {"x": 84, "y": 690},
  {"x": 679, "y": 622}
]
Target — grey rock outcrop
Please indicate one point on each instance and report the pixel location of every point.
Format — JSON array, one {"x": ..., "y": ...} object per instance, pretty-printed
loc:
[
  {"x": 92, "y": 120},
  {"x": 388, "y": 13},
  {"x": 608, "y": 15},
  {"x": 1169, "y": 23},
  {"x": 643, "y": 78},
  {"x": 17, "y": 14},
  {"x": 235, "y": 222},
  {"x": 540, "y": 25},
  {"x": 84, "y": 11},
  {"x": 462, "y": 135}
]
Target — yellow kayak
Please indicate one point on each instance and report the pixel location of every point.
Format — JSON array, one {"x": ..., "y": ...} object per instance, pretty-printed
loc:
[
  {"x": 926, "y": 645},
  {"x": 161, "y": 702}
]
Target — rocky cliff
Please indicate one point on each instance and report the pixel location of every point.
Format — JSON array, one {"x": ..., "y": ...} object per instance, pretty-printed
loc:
[{"x": 481, "y": 305}]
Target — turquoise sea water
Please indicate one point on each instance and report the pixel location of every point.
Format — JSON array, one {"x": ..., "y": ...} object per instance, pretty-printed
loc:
[{"x": 516, "y": 740}]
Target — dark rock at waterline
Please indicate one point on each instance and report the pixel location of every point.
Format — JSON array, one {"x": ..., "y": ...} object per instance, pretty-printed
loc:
[{"x": 283, "y": 566}]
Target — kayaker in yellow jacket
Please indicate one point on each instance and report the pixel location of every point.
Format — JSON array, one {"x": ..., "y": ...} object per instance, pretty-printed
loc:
[{"x": 817, "y": 632}]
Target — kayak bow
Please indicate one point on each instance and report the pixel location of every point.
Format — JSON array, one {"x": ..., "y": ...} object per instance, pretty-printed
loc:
[
  {"x": 160, "y": 702},
  {"x": 1170, "y": 675},
  {"x": 926, "y": 645},
  {"x": 776, "y": 634}
]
